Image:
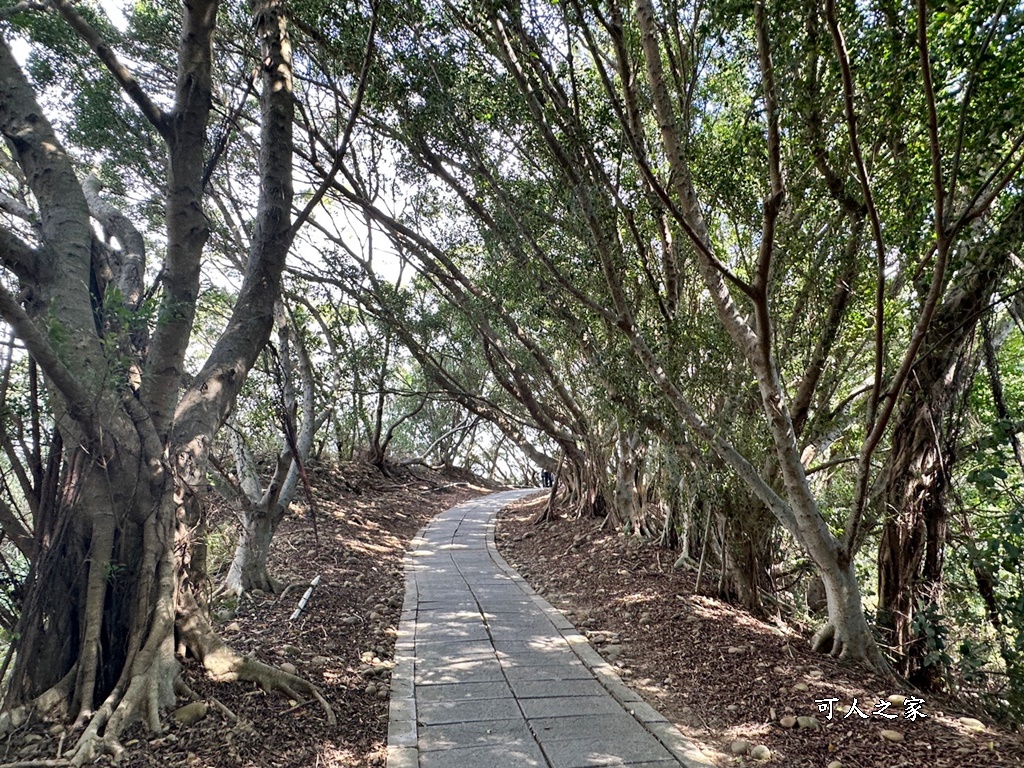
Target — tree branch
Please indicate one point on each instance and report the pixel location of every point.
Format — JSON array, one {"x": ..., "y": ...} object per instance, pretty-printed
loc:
[
  {"x": 18, "y": 256},
  {"x": 121, "y": 73},
  {"x": 849, "y": 109},
  {"x": 933, "y": 122},
  {"x": 80, "y": 404}
]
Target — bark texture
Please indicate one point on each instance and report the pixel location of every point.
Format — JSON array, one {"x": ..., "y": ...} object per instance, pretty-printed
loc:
[
  {"x": 118, "y": 555},
  {"x": 915, "y": 519}
]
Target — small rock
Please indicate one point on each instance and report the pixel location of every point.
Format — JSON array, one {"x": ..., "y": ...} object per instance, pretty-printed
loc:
[
  {"x": 19, "y": 716},
  {"x": 897, "y": 699},
  {"x": 778, "y": 670},
  {"x": 972, "y": 724},
  {"x": 371, "y": 689},
  {"x": 761, "y": 752},
  {"x": 374, "y": 616},
  {"x": 351, "y": 620},
  {"x": 739, "y": 747},
  {"x": 613, "y": 652},
  {"x": 804, "y": 721},
  {"x": 733, "y": 708},
  {"x": 788, "y": 721},
  {"x": 257, "y": 593},
  {"x": 383, "y": 693},
  {"x": 801, "y": 687},
  {"x": 190, "y": 714},
  {"x": 736, "y": 649},
  {"x": 320, "y": 661},
  {"x": 816, "y": 673},
  {"x": 234, "y": 626},
  {"x": 772, "y": 714},
  {"x": 894, "y": 736},
  {"x": 835, "y": 764},
  {"x": 289, "y": 669}
]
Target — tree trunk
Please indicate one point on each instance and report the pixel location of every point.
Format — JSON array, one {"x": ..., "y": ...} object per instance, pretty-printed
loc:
[
  {"x": 119, "y": 566},
  {"x": 748, "y": 554},
  {"x": 263, "y": 510},
  {"x": 912, "y": 546},
  {"x": 249, "y": 566},
  {"x": 847, "y": 634}
]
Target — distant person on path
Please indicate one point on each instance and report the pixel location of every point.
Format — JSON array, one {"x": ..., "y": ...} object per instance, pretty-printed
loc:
[{"x": 547, "y": 479}]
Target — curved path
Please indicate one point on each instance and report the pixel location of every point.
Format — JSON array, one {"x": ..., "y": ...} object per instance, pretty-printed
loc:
[{"x": 489, "y": 675}]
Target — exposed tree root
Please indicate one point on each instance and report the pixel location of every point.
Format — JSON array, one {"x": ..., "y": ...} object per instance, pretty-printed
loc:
[
  {"x": 826, "y": 640},
  {"x": 147, "y": 691},
  {"x": 234, "y": 587},
  {"x": 225, "y": 711},
  {"x": 149, "y": 684},
  {"x": 224, "y": 664}
]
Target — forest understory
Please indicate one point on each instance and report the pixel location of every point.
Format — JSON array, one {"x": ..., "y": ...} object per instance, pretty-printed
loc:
[
  {"x": 719, "y": 674},
  {"x": 342, "y": 642},
  {"x": 727, "y": 680}
]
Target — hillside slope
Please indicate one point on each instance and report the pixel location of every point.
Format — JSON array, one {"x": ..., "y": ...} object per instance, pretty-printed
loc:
[
  {"x": 343, "y": 641},
  {"x": 727, "y": 680}
]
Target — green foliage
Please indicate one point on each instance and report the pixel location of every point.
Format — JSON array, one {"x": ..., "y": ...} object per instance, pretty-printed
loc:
[{"x": 930, "y": 628}]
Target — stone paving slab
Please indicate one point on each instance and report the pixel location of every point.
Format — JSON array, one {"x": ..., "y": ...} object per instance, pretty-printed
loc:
[
  {"x": 521, "y": 753},
  {"x": 489, "y": 675},
  {"x": 486, "y": 710}
]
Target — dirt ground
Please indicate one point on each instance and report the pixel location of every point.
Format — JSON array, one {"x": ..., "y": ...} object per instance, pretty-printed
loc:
[
  {"x": 343, "y": 641},
  {"x": 727, "y": 680}
]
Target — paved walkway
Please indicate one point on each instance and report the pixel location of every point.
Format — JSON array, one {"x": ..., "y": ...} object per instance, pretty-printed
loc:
[{"x": 489, "y": 675}]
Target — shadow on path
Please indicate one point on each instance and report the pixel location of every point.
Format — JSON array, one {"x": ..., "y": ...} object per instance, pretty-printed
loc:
[{"x": 489, "y": 675}]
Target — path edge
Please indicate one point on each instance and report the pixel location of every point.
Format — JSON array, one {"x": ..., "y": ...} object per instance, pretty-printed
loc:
[
  {"x": 686, "y": 751},
  {"x": 403, "y": 733}
]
